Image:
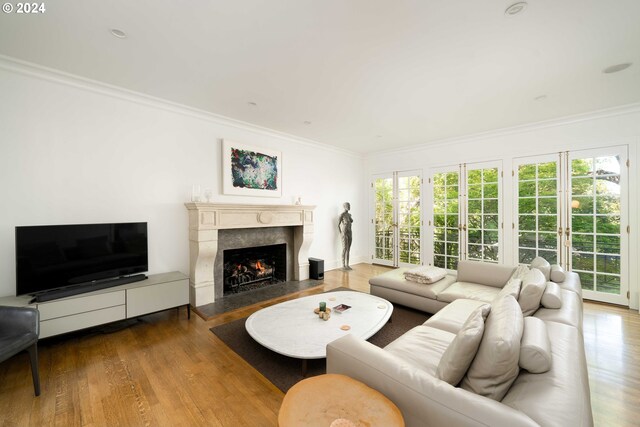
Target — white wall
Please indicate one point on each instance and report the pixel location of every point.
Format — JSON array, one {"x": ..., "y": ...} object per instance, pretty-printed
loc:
[
  {"x": 73, "y": 151},
  {"x": 608, "y": 128}
]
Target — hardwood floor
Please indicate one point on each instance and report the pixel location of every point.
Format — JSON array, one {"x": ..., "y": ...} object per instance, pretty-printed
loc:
[{"x": 166, "y": 370}]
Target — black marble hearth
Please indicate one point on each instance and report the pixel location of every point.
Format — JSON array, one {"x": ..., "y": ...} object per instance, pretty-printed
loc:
[{"x": 245, "y": 299}]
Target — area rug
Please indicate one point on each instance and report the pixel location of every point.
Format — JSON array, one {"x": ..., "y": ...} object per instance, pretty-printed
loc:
[{"x": 285, "y": 371}]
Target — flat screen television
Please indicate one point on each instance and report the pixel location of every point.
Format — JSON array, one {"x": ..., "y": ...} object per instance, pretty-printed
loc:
[{"x": 53, "y": 261}]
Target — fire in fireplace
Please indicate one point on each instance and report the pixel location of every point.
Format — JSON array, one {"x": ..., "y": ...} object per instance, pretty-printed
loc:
[{"x": 251, "y": 268}]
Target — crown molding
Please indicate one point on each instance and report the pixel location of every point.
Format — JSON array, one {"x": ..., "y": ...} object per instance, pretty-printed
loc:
[
  {"x": 30, "y": 69},
  {"x": 529, "y": 127}
]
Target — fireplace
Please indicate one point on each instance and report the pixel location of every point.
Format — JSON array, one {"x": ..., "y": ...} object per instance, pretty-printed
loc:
[
  {"x": 214, "y": 227},
  {"x": 245, "y": 269}
]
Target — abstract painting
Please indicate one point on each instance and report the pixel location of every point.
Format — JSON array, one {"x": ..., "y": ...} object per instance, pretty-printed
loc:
[{"x": 251, "y": 171}]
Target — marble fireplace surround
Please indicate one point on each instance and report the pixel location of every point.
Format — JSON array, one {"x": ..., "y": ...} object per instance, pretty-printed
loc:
[{"x": 206, "y": 220}]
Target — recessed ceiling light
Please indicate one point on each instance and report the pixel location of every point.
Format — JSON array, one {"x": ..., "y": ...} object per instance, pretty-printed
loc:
[
  {"x": 307, "y": 122},
  {"x": 253, "y": 104},
  {"x": 516, "y": 8},
  {"x": 616, "y": 68},
  {"x": 540, "y": 98},
  {"x": 118, "y": 33},
  {"x": 378, "y": 136}
]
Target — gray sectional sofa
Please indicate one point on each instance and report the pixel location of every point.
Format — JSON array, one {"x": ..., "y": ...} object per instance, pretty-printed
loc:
[{"x": 490, "y": 355}]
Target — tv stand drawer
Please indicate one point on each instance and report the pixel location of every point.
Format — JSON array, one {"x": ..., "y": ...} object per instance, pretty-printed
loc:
[
  {"x": 80, "y": 304},
  {"x": 148, "y": 299},
  {"x": 75, "y": 322}
]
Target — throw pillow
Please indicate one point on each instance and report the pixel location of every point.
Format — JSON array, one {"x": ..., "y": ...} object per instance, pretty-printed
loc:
[
  {"x": 511, "y": 288},
  {"x": 495, "y": 366},
  {"x": 520, "y": 272},
  {"x": 542, "y": 265},
  {"x": 458, "y": 356},
  {"x": 557, "y": 274},
  {"x": 552, "y": 296},
  {"x": 531, "y": 293},
  {"x": 535, "y": 349}
]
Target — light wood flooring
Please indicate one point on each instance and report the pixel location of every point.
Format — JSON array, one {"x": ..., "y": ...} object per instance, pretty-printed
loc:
[{"x": 165, "y": 370}]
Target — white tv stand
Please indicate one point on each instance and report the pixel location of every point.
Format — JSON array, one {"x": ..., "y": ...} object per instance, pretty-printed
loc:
[{"x": 157, "y": 292}]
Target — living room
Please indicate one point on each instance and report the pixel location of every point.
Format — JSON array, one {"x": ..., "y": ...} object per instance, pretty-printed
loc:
[{"x": 97, "y": 128}]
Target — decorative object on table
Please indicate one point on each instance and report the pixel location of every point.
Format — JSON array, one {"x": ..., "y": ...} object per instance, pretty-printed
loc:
[
  {"x": 426, "y": 274},
  {"x": 345, "y": 327},
  {"x": 317, "y": 310},
  {"x": 325, "y": 315},
  {"x": 341, "y": 308},
  {"x": 251, "y": 171},
  {"x": 342, "y": 422},
  {"x": 195, "y": 193},
  {"x": 323, "y": 306},
  {"x": 344, "y": 228},
  {"x": 298, "y": 200}
]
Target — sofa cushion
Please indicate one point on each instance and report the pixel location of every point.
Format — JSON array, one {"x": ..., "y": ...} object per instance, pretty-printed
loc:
[
  {"x": 570, "y": 313},
  {"x": 454, "y": 315},
  {"x": 559, "y": 397},
  {"x": 495, "y": 366},
  {"x": 557, "y": 274},
  {"x": 542, "y": 265},
  {"x": 469, "y": 291},
  {"x": 552, "y": 296},
  {"x": 422, "y": 347},
  {"x": 484, "y": 273},
  {"x": 520, "y": 271},
  {"x": 511, "y": 288},
  {"x": 394, "y": 279},
  {"x": 458, "y": 356},
  {"x": 535, "y": 348},
  {"x": 533, "y": 286}
]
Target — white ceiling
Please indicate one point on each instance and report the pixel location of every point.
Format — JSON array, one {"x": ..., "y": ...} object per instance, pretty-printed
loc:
[{"x": 367, "y": 74}]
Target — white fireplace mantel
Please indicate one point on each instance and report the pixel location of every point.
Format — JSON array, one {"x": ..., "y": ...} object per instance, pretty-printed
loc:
[{"x": 205, "y": 219}]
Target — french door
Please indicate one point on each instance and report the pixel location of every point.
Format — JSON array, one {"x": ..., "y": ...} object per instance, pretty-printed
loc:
[
  {"x": 397, "y": 218},
  {"x": 467, "y": 213},
  {"x": 573, "y": 210},
  {"x": 482, "y": 229},
  {"x": 538, "y": 222},
  {"x": 445, "y": 225},
  {"x": 597, "y": 223}
]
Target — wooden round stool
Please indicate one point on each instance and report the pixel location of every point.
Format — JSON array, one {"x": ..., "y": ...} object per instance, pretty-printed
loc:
[{"x": 321, "y": 400}]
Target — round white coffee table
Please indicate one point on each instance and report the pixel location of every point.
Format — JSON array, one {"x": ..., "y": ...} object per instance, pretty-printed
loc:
[{"x": 292, "y": 328}]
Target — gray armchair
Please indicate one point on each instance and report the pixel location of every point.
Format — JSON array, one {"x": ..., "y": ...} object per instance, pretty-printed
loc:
[{"x": 19, "y": 330}]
